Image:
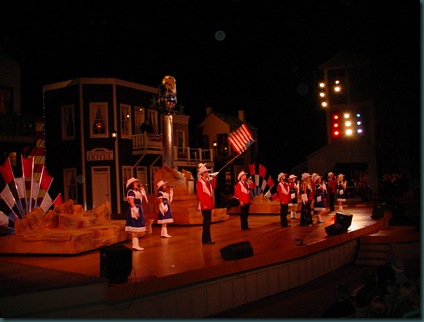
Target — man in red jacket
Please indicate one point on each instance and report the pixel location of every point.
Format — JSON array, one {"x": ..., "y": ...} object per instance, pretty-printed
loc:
[
  {"x": 242, "y": 193},
  {"x": 332, "y": 189},
  {"x": 204, "y": 190},
  {"x": 283, "y": 191}
]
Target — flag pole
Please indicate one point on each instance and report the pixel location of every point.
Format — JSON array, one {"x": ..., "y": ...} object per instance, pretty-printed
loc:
[{"x": 229, "y": 162}]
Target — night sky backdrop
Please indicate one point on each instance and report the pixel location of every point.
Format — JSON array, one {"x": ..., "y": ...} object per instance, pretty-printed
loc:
[{"x": 259, "y": 56}]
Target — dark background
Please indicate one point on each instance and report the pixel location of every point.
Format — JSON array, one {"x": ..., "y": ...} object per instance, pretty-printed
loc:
[{"x": 265, "y": 65}]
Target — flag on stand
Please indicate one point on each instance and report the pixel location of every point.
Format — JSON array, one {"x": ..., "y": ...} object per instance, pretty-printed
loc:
[
  {"x": 27, "y": 171},
  {"x": 262, "y": 171},
  {"x": 20, "y": 185},
  {"x": 264, "y": 183},
  {"x": 9, "y": 179},
  {"x": 6, "y": 171},
  {"x": 47, "y": 202},
  {"x": 7, "y": 197},
  {"x": 252, "y": 169},
  {"x": 274, "y": 197},
  {"x": 45, "y": 182},
  {"x": 20, "y": 188},
  {"x": 268, "y": 194},
  {"x": 241, "y": 139},
  {"x": 256, "y": 180},
  {"x": 58, "y": 200},
  {"x": 270, "y": 182}
]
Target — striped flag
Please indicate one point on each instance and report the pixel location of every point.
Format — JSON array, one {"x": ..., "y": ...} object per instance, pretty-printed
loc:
[
  {"x": 48, "y": 202},
  {"x": 27, "y": 172},
  {"x": 45, "y": 181},
  {"x": 6, "y": 171},
  {"x": 7, "y": 197},
  {"x": 9, "y": 178},
  {"x": 241, "y": 139},
  {"x": 264, "y": 183},
  {"x": 252, "y": 169},
  {"x": 270, "y": 182},
  {"x": 262, "y": 171}
]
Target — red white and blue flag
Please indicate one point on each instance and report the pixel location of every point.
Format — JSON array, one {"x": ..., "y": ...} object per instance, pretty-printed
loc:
[{"x": 241, "y": 139}]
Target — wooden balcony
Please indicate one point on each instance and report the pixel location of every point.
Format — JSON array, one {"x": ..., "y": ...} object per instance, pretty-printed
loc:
[
  {"x": 153, "y": 144},
  {"x": 147, "y": 142}
]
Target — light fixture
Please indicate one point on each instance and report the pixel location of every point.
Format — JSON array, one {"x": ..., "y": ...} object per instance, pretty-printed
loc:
[
  {"x": 215, "y": 144},
  {"x": 114, "y": 134}
]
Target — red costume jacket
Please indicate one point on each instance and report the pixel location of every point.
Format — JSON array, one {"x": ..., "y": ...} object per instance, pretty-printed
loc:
[
  {"x": 242, "y": 191},
  {"x": 204, "y": 193},
  {"x": 283, "y": 191}
]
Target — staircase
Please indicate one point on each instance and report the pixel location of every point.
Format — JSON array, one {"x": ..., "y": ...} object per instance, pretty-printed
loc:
[{"x": 391, "y": 242}]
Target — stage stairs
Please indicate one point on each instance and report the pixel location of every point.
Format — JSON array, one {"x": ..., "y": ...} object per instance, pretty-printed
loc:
[{"x": 388, "y": 244}]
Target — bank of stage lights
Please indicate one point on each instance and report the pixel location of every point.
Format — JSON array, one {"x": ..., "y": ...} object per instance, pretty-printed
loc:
[{"x": 345, "y": 124}]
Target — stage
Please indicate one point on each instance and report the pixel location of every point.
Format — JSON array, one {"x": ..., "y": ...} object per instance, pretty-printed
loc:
[{"x": 178, "y": 264}]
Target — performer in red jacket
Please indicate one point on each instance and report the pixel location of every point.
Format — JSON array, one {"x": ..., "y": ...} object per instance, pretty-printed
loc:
[
  {"x": 283, "y": 191},
  {"x": 242, "y": 193},
  {"x": 204, "y": 189}
]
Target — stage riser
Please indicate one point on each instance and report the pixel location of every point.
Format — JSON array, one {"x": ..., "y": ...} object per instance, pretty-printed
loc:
[{"x": 194, "y": 301}]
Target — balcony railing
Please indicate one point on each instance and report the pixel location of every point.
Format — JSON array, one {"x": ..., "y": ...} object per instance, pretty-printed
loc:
[
  {"x": 192, "y": 154},
  {"x": 153, "y": 143},
  {"x": 147, "y": 142}
]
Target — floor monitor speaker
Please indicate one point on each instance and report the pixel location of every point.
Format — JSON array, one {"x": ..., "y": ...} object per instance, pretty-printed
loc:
[
  {"x": 115, "y": 263},
  {"x": 344, "y": 219},
  {"x": 237, "y": 251},
  {"x": 335, "y": 229}
]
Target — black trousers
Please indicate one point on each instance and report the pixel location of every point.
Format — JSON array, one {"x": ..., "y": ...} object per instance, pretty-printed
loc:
[
  {"x": 284, "y": 209},
  {"x": 206, "y": 233},
  {"x": 244, "y": 213}
]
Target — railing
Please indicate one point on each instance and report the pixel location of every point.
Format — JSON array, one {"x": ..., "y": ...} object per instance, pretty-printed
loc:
[
  {"x": 153, "y": 142},
  {"x": 192, "y": 154},
  {"x": 147, "y": 142}
]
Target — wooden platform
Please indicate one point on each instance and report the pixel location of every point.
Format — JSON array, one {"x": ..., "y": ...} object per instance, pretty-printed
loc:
[{"x": 169, "y": 264}]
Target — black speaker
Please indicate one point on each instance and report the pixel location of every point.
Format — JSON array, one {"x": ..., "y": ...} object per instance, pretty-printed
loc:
[
  {"x": 343, "y": 219},
  {"x": 237, "y": 251},
  {"x": 115, "y": 263},
  {"x": 335, "y": 229}
]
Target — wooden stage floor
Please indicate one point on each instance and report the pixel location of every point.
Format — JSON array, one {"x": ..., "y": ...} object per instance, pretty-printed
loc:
[{"x": 182, "y": 259}]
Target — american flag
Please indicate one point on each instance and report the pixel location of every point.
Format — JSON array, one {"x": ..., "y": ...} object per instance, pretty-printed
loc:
[{"x": 241, "y": 139}]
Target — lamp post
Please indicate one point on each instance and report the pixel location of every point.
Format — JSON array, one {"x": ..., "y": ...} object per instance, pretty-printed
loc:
[{"x": 168, "y": 100}]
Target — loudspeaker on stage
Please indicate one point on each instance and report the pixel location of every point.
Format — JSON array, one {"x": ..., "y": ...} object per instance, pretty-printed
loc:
[
  {"x": 344, "y": 219},
  {"x": 115, "y": 263},
  {"x": 335, "y": 229},
  {"x": 237, "y": 251},
  {"x": 341, "y": 224}
]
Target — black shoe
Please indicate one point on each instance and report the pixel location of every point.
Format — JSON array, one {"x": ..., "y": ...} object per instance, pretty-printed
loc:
[{"x": 209, "y": 243}]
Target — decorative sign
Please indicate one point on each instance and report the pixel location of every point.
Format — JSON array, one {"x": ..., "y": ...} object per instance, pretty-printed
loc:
[{"x": 99, "y": 154}]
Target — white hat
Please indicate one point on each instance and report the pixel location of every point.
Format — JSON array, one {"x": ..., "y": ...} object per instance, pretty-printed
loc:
[
  {"x": 340, "y": 176},
  {"x": 240, "y": 174},
  {"x": 202, "y": 169},
  {"x": 305, "y": 175},
  {"x": 131, "y": 180},
  {"x": 292, "y": 176},
  {"x": 315, "y": 176},
  {"x": 330, "y": 173},
  {"x": 281, "y": 175},
  {"x": 201, "y": 165},
  {"x": 160, "y": 183}
]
